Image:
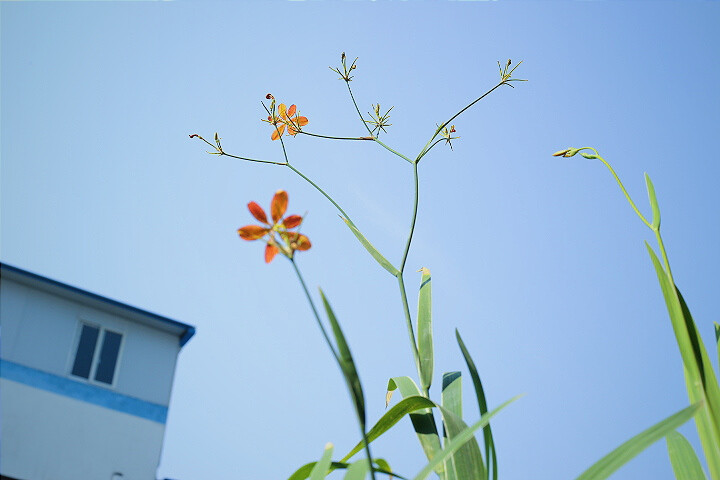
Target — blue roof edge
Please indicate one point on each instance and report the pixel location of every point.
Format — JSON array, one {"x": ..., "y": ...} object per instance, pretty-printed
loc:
[{"x": 184, "y": 338}]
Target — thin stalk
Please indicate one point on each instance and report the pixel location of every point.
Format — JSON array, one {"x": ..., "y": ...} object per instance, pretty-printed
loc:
[
  {"x": 393, "y": 151},
  {"x": 321, "y": 191},
  {"x": 411, "y": 331},
  {"x": 661, "y": 245},
  {"x": 401, "y": 282},
  {"x": 252, "y": 159},
  {"x": 622, "y": 187},
  {"x": 315, "y": 312},
  {"x": 429, "y": 148},
  {"x": 335, "y": 355},
  {"x": 414, "y": 217},
  {"x": 362, "y": 119},
  {"x": 444, "y": 124},
  {"x": 357, "y": 109},
  {"x": 333, "y": 137}
]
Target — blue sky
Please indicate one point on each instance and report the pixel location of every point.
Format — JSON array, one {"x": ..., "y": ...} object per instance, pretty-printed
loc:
[{"x": 538, "y": 261}]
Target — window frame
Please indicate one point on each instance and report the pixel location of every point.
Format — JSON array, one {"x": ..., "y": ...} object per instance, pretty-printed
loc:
[{"x": 102, "y": 329}]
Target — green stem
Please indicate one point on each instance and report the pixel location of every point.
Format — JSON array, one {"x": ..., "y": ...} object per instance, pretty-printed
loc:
[
  {"x": 414, "y": 218},
  {"x": 337, "y": 359},
  {"x": 357, "y": 109},
  {"x": 401, "y": 282},
  {"x": 251, "y": 159},
  {"x": 334, "y": 138},
  {"x": 315, "y": 312},
  {"x": 661, "y": 245},
  {"x": 347, "y": 217},
  {"x": 622, "y": 187},
  {"x": 408, "y": 322},
  {"x": 393, "y": 151},
  {"x": 430, "y": 148},
  {"x": 444, "y": 124}
]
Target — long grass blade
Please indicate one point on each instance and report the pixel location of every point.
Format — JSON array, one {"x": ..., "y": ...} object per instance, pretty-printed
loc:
[
  {"x": 460, "y": 440},
  {"x": 372, "y": 250},
  {"x": 466, "y": 463},
  {"x": 407, "y": 405},
  {"x": 347, "y": 363},
  {"x": 304, "y": 472},
  {"x": 717, "y": 340},
  {"x": 684, "y": 462},
  {"x": 607, "y": 465},
  {"x": 700, "y": 377},
  {"x": 653, "y": 202},
  {"x": 451, "y": 395},
  {"x": 424, "y": 328},
  {"x": 321, "y": 468},
  {"x": 357, "y": 470},
  {"x": 422, "y": 420},
  {"x": 490, "y": 454}
]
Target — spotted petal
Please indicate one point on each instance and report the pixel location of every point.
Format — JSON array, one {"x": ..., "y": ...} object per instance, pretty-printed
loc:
[
  {"x": 278, "y": 205},
  {"x": 252, "y": 232},
  {"x": 257, "y": 212},
  {"x": 301, "y": 242},
  {"x": 270, "y": 252},
  {"x": 277, "y": 133},
  {"x": 292, "y": 221}
]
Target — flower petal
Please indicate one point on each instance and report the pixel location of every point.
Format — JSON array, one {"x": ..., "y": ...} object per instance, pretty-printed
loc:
[
  {"x": 302, "y": 121},
  {"x": 277, "y": 133},
  {"x": 302, "y": 243},
  {"x": 278, "y": 205},
  {"x": 281, "y": 110},
  {"x": 291, "y": 110},
  {"x": 252, "y": 232},
  {"x": 292, "y": 221},
  {"x": 257, "y": 212},
  {"x": 270, "y": 252}
]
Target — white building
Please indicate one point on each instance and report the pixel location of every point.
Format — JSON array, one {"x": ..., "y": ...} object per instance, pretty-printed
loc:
[{"x": 85, "y": 382}]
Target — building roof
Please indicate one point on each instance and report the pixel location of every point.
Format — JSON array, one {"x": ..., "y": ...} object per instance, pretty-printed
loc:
[{"x": 182, "y": 330}]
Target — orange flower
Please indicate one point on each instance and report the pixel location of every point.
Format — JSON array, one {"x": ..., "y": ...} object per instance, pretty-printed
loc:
[
  {"x": 280, "y": 227},
  {"x": 283, "y": 117}
]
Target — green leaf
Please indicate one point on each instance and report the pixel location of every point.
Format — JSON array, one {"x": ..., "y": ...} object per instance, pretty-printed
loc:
[
  {"x": 700, "y": 378},
  {"x": 717, "y": 340},
  {"x": 653, "y": 202},
  {"x": 391, "y": 417},
  {"x": 321, "y": 468},
  {"x": 467, "y": 461},
  {"x": 460, "y": 440},
  {"x": 357, "y": 470},
  {"x": 424, "y": 328},
  {"x": 683, "y": 459},
  {"x": 422, "y": 420},
  {"x": 628, "y": 450},
  {"x": 346, "y": 363},
  {"x": 490, "y": 454},
  {"x": 304, "y": 472},
  {"x": 451, "y": 398},
  {"x": 372, "y": 250},
  {"x": 452, "y": 393}
]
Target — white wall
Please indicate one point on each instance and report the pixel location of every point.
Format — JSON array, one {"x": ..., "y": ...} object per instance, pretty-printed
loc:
[
  {"x": 53, "y": 437},
  {"x": 39, "y": 330}
]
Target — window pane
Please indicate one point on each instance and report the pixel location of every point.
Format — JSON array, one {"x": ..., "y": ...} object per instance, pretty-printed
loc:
[
  {"x": 108, "y": 357},
  {"x": 85, "y": 351}
]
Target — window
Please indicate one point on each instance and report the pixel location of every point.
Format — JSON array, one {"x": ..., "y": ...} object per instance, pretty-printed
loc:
[{"x": 97, "y": 354}]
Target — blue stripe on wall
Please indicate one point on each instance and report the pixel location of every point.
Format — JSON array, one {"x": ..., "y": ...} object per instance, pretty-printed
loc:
[{"x": 84, "y": 392}]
